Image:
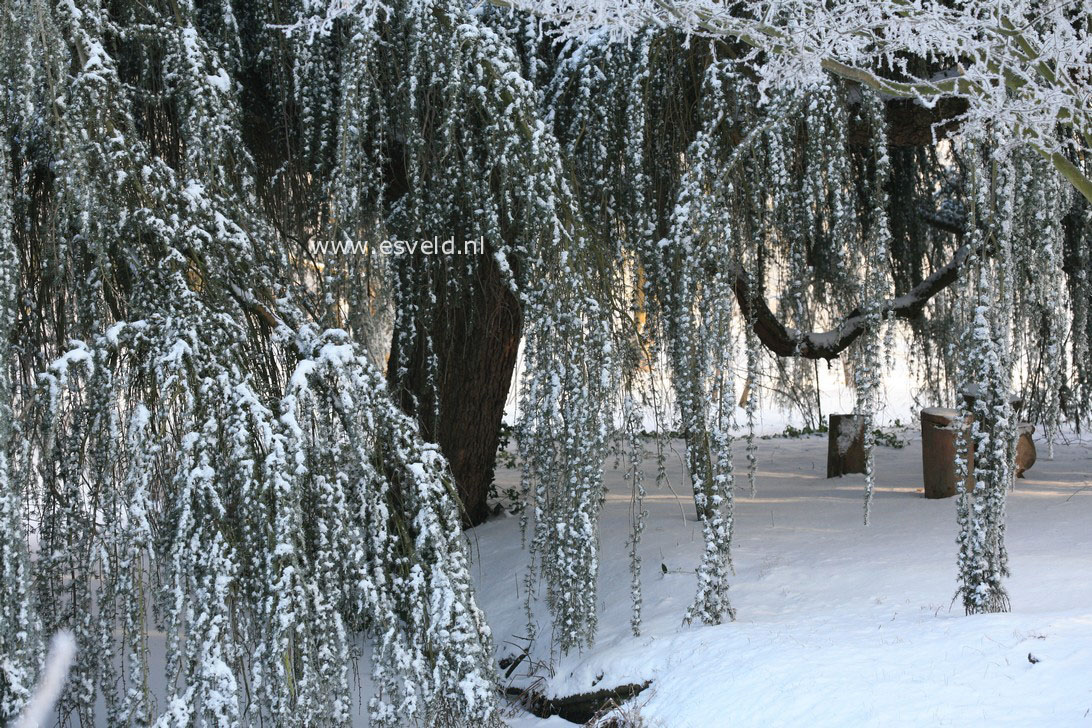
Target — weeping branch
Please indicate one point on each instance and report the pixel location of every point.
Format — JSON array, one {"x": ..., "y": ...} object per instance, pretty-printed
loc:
[{"x": 784, "y": 341}]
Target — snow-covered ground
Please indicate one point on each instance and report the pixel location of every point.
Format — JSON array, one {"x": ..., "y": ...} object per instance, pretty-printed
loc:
[{"x": 838, "y": 624}]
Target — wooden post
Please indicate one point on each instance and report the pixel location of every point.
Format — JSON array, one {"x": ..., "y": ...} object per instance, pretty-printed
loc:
[
  {"x": 1025, "y": 448},
  {"x": 938, "y": 452},
  {"x": 845, "y": 445}
]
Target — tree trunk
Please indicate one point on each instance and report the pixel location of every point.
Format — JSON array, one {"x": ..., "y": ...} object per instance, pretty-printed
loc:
[{"x": 475, "y": 329}]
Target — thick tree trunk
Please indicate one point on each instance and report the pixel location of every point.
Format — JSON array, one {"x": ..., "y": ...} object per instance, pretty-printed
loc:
[{"x": 475, "y": 330}]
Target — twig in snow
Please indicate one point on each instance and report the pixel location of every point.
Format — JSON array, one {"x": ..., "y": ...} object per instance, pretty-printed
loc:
[{"x": 1086, "y": 486}]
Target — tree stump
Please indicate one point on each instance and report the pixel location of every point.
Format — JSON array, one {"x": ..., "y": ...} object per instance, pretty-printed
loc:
[
  {"x": 938, "y": 452},
  {"x": 1025, "y": 448},
  {"x": 845, "y": 445}
]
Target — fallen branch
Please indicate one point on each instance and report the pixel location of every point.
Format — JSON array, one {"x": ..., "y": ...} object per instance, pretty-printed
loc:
[{"x": 579, "y": 708}]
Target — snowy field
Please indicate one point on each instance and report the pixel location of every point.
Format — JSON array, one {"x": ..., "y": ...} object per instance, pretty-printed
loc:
[{"x": 838, "y": 624}]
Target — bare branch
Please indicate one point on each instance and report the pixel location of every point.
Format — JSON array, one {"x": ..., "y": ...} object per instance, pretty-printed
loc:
[{"x": 784, "y": 341}]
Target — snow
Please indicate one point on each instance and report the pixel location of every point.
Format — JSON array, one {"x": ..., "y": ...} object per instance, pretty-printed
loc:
[
  {"x": 846, "y": 434},
  {"x": 62, "y": 650},
  {"x": 838, "y": 623},
  {"x": 302, "y": 374},
  {"x": 80, "y": 354},
  {"x": 221, "y": 82}
]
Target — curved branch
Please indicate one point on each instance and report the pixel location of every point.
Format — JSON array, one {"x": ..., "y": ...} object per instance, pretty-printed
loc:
[{"x": 784, "y": 341}]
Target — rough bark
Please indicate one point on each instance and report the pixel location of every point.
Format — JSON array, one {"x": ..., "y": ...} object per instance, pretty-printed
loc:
[{"x": 475, "y": 332}]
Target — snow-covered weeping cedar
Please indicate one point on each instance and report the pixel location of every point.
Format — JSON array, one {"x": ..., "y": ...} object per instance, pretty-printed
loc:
[
  {"x": 987, "y": 374},
  {"x": 777, "y": 196},
  {"x": 20, "y": 644},
  {"x": 1018, "y": 70},
  {"x": 727, "y": 223},
  {"x": 459, "y": 81},
  {"x": 208, "y": 460},
  {"x": 203, "y": 444},
  {"x": 873, "y": 264},
  {"x": 825, "y": 224},
  {"x": 737, "y": 202},
  {"x": 1016, "y": 208}
]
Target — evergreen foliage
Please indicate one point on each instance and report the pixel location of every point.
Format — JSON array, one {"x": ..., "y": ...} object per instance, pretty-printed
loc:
[{"x": 197, "y": 434}]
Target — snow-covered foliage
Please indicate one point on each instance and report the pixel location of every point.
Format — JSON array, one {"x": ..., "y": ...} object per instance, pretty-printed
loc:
[
  {"x": 986, "y": 369},
  {"x": 19, "y": 626},
  {"x": 453, "y": 82},
  {"x": 563, "y": 441},
  {"x": 873, "y": 263},
  {"x": 1023, "y": 65},
  {"x": 202, "y": 440},
  {"x": 793, "y": 188},
  {"x": 208, "y": 458},
  {"x": 1018, "y": 222}
]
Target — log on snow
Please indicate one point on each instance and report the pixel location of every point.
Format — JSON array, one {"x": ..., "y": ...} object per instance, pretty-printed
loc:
[{"x": 578, "y": 708}]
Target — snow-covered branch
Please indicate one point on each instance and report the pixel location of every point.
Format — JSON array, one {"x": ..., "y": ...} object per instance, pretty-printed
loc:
[{"x": 1023, "y": 67}]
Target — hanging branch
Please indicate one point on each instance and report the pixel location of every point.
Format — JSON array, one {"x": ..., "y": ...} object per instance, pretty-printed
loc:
[{"x": 1011, "y": 81}]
